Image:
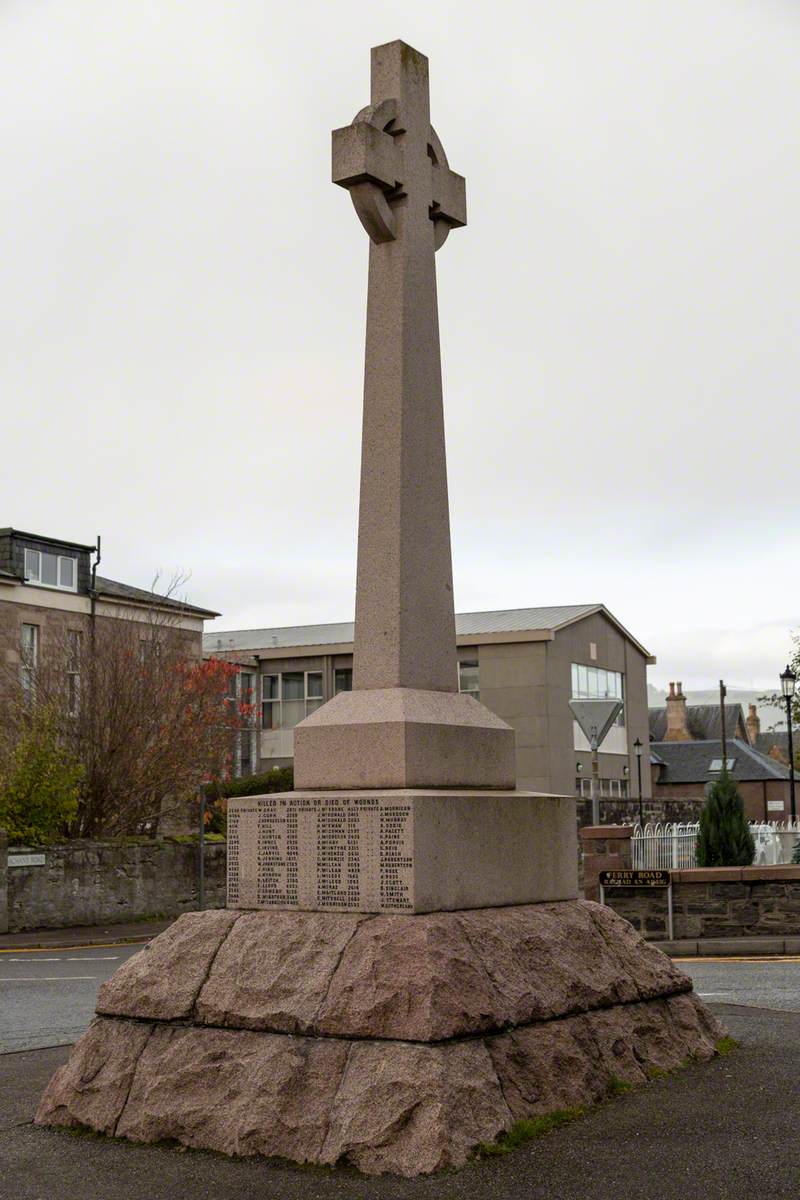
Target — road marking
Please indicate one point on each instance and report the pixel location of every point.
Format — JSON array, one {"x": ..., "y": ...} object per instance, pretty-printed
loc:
[
  {"x": 738, "y": 958},
  {"x": 46, "y": 978},
  {"x": 86, "y": 958}
]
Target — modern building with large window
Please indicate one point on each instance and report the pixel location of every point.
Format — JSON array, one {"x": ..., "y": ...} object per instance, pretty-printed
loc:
[{"x": 524, "y": 664}]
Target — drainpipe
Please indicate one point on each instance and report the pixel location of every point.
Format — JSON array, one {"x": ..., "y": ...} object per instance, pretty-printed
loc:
[{"x": 93, "y": 591}]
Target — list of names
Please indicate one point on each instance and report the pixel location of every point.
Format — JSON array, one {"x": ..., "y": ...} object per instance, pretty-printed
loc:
[{"x": 346, "y": 853}]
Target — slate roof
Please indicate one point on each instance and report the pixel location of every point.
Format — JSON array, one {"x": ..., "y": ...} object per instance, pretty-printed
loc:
[
  {"x": 689, "y": 762},
  {"x": 703, "y": 721},
  {"x": 506, "y": 620},
  {"x": 779, "y": 738},
  {"x": 125, "y": 591}
]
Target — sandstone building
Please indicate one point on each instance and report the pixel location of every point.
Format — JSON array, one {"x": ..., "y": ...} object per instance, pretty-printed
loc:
[{"x": 52, "y": 596}]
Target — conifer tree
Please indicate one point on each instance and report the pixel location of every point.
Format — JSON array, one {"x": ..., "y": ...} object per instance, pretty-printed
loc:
[{"x": 724, "y": 838}]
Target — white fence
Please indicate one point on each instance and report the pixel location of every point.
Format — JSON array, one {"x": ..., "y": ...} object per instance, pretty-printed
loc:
[{"x": 673, "y": 846}]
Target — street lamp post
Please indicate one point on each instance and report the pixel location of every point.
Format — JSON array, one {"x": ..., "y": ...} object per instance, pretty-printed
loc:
[
  {"x": 637, "y": 745},
  {"x": 788, "y": 684}
]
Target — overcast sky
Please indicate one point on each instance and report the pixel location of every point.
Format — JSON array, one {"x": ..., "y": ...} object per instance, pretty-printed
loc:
[{"x": 182, "y": 302}]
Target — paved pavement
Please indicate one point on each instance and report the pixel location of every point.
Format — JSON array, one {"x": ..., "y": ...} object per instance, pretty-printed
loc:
[
  {"x": 47, "y": 996},
  {"x": 771, "y": 983},
  {"x": 714, "y": 1131},
  {"x": 83, "y": 935}
]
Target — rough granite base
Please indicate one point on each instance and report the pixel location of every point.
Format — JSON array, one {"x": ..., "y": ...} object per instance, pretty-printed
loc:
[{"x": 391, "y": 1043}]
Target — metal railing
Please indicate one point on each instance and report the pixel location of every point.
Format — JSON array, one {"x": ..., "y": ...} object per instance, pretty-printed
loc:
[{"x": 673, "y": 845}]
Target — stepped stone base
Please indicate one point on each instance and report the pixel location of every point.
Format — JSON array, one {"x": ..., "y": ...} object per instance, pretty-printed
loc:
[{"x": 392, "y": 1043}]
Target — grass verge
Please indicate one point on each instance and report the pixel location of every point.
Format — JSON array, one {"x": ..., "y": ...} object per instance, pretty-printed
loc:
[
  {"x": 523, "y": 1131},
  {"x": 726, "y": 1045}
]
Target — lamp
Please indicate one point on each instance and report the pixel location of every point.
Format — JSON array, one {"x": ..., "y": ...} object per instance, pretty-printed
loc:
[
  {"x": 788, "y": 682},
  {"x": 637, "y": 745}
]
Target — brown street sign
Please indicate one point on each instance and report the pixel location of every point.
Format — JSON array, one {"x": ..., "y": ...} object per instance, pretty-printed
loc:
[{"x": 609, "y": 879}]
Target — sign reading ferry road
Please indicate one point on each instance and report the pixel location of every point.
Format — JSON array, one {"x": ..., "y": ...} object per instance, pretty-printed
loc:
[
  {"x": 640, "y": 879},
  {"x": 635, "y": 879}
]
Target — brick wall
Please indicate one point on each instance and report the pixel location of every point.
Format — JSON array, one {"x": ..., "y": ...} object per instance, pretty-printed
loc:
[
  {"x": 602, "y": 848},
  {"x": 90, "y": 883},
  {"x": 755, "y": 794}
]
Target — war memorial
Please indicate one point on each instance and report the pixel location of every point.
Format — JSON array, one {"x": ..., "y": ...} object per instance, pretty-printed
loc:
[{"x": 404, "y": 969}]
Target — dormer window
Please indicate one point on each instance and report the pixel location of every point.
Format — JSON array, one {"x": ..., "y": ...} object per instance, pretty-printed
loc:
[{"x": 51, "y": 570}]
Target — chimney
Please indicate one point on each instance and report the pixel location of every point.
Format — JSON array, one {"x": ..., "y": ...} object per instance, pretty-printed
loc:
[
  {"x": 753, "y": 724},
  {"x": 677, "y": 726}
]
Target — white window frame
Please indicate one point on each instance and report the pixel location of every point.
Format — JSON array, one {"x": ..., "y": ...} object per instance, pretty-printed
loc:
[
  {"x": 310, "y": 702},
  {"x": 75, "y": 645},
  {"x": 33, "y": 571},
  {"x": 610, "y": 789},
  {"x": 247, "y": 733},
  {"x": 29, "y": 663}
]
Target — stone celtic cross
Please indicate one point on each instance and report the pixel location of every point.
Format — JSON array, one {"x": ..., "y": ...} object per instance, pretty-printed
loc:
[
  {"x": 404, "y": 724},
  {"x": 408, "y": 200}
]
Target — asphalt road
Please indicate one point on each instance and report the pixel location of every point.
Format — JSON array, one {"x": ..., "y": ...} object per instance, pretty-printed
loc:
[
  {"x": 47, "y": 996},
  {"x": 713, "y": 1131},
  {"x": 770, "y": 983}
]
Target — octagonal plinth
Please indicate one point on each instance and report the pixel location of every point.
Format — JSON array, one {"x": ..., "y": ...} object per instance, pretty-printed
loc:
[{"x": 403, "y": 738}]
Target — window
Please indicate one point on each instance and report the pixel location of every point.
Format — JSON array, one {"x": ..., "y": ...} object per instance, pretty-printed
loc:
[
  {"x": 469, "y": 678},
  {"x": 73, "y": 672},
  {"x": 51, "y": 570},
  {"x": 610, "y": 789},
  {"x": 270, "y": 702},
  {"x": 247, "y": 696},
  {"x": 716, "y": 764},
  {"x": 595, "y": 683},
  {"x": 290, "y": 697},
  {"x": 246, "y": 752},
  {"x": 247, "y": 687},
  {"x": 342, "y": 680},
  {"x": 30, "y": 658},
  {"x": 240, "y": 698},
  {"x": 149, "y": 648}
]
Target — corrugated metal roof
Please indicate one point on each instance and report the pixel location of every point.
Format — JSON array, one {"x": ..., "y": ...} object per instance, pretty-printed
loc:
[
  {"x": 506, "y": 620},
  {"x": 514, "y": 620}
]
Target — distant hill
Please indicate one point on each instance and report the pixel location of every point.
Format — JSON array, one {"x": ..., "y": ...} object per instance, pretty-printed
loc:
[{"x": 771, "y": 716}]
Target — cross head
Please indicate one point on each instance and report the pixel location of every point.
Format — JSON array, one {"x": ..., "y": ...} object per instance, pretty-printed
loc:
[{"x": 391, "y": 160}]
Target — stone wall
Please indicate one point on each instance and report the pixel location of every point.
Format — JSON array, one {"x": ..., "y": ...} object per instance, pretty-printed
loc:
[
  {"x": 659, "y": 808},
  {"x": 716, "y": 902},
  {"x": 3, "y": 885},
  {"x": 90, "y": 883}
]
